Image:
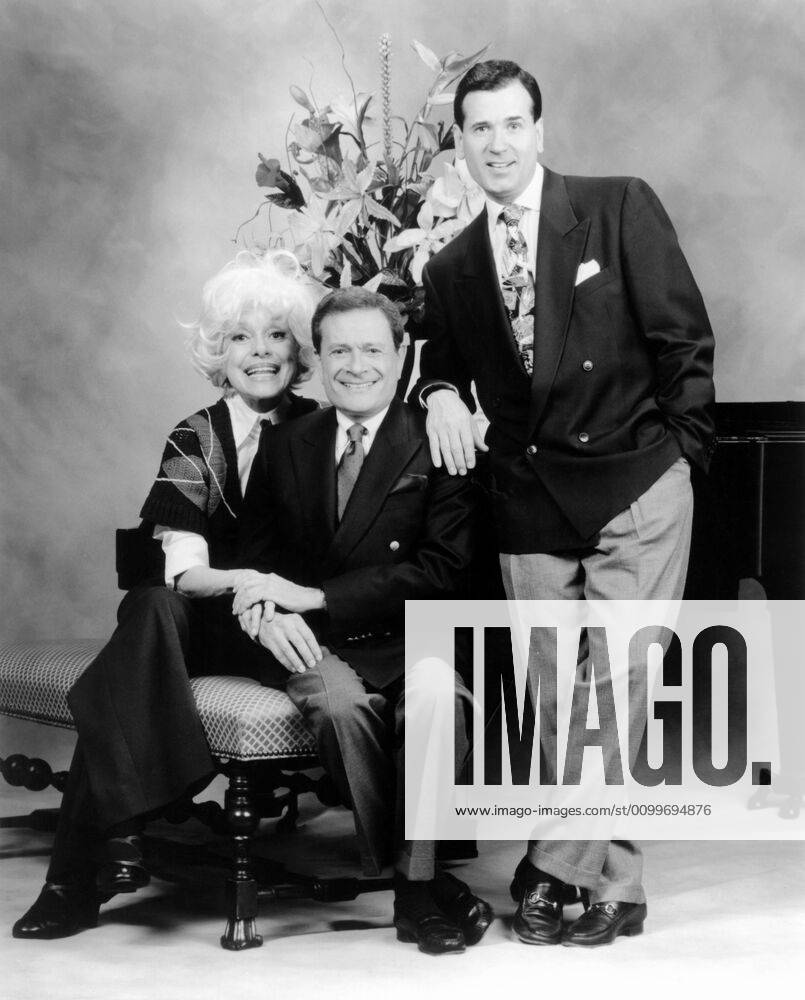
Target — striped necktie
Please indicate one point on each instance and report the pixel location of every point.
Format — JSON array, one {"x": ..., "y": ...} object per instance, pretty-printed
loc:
[
  {"x": 517, "y": 286},
  {"x": 350, "y": 466}
]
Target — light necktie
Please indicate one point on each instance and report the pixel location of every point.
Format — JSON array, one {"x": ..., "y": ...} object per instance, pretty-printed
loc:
[
  {"x": 350, "y": 466},
  {"x": 517, "y": 285}
]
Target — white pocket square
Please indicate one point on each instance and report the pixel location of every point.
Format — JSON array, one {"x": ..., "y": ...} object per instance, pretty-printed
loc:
[{"x": 587, "y": 270}]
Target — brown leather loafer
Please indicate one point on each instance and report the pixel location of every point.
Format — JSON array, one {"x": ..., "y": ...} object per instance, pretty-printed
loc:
[
  {"x": 59, "y": 911},
  {"x": 605, "y": 921}
]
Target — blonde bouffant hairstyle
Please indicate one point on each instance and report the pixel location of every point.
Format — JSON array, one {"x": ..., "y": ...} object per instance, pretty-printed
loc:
[{"x": 273, "y": 280}]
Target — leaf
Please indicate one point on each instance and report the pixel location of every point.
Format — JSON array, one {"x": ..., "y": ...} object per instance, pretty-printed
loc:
[
  {"x": 440, "y": 99},
  {"x": 431, "y": 137},
  {"x": 374, "y": 248},
  {"x": 349, "y": 213},
  {"x": 341, "y": 194},
  {"x": 332, "y": 143},
  {"x": 428, "y": 57},
  {"x": 373, "y": 284},
  {"x": 393, "y": 173},
  {"x": 301, "y": 98},
  {"x": 362, "y": 111},
  {"x": 351, "y": 176},
  {"x": 345, "y": 280},
  {"x": 404, "y": 241},
  {"x": 365, "y": 177},
  {"x": 282, "y": 200},
  {"x": 457, "y": 64},
  {"x": 378, "y": 211}
]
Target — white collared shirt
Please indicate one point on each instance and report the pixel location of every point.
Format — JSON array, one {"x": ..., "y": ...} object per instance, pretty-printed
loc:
[
  {"x": 531, "y": 201},
  {"x": 344, "y": 423},
  {"x": 186, "y": 549}
]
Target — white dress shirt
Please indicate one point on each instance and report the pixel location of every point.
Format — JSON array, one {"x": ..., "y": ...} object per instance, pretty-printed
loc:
[
  {"x": 186, "y": 549},
  {"x": 344, "y": 423},
  {"x": 531, "y": 201}
]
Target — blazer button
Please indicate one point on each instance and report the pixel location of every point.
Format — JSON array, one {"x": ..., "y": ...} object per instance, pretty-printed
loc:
[
  {"x": 587, "y": 366},
  {"x": 584, "y": 437},
  {"x": 394, "y": 545},
  {"x": 531, "y": 449}
]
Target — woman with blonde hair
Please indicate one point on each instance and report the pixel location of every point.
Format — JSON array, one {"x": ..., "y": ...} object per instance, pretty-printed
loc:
[{"x": 141, "y": 744}]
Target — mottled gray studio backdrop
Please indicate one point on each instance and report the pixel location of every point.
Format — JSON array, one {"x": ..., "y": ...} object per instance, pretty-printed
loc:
[{"x": 129, "y": 132}]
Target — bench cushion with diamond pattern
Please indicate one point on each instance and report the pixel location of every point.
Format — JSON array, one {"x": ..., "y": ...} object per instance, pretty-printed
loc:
[{"x": 243, "y": 721}]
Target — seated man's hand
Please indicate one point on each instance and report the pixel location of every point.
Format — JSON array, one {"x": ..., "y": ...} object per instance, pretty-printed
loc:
[
  {"x": 290, "y": 639},
  {"x": 274, "y": 589},
  {"x": 452, "y": 433},
  {"x": 251, "y": 618}
]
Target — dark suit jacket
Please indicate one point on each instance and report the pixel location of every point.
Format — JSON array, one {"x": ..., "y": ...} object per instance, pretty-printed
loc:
[
  {"x": 405, "y": 534},
  {"x": 622, "y": 382}
]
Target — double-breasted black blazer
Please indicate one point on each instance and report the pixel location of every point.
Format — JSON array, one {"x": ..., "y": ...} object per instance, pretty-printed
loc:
[
  {"x": 406, "y": 532},
  {"x": 622, "y": 381}
]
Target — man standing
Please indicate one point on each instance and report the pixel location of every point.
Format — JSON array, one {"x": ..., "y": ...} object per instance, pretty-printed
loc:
[
  {"x": 569, "y": 303},
  {"x": 349, "y": 517}
]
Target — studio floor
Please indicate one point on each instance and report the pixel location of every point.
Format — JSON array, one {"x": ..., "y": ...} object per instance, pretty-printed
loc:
[{"x": 722, "y": 915}]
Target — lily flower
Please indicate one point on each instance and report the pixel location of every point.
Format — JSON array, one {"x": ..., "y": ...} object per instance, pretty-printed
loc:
[
  {"x": 352, "y": 113},
  {"x": 314, "y": 235},
  {"x": 425, "y": 240},
  {"x": 448, "y": 69}
]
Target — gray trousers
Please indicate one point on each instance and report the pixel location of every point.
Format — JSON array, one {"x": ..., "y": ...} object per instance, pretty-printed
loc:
[
  {"x": 642, "y": 554},
  {"x": 360, "y": 731}
]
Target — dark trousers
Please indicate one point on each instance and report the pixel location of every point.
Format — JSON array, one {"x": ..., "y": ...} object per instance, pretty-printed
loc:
[
  {"x": 141, "y": 744},
  {"x": 360, "y": 737}
]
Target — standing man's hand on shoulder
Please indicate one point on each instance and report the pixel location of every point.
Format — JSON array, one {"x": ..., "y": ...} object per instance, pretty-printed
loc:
[{"x": 452, "y": 433}]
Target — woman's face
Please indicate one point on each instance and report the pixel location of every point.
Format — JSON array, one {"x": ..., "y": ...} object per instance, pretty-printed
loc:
[{"x": 260, "y": 358}]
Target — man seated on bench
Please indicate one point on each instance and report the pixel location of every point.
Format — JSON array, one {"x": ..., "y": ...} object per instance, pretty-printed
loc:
[{"x": 349, "y": 517}]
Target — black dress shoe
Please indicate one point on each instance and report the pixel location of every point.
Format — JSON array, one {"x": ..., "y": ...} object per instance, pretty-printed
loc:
[
  {"x": 462, "y": 907},
  {"x": 59, "y": 911},
  {"x": 123, "y": 869},
  {"x": 538, "y": 918},
  {"x": 433, "y": 933},
  {"x": 603, "y": 922},
  {"x": 525, "y": 873}
]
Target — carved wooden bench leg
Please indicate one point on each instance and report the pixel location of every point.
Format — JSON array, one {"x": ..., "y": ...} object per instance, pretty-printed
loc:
[
  {"x": 33, "y": 774},
  {"x": 241, "y": 886}
]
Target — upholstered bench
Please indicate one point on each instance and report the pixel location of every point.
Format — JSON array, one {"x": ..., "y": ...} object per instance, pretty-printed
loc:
[{"x": 255, "y": 734}]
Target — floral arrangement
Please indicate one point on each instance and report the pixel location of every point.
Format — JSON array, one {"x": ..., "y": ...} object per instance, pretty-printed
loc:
[{"x": 366, "y": 201}]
